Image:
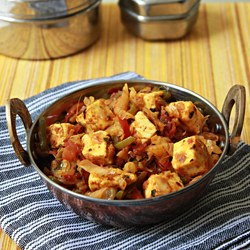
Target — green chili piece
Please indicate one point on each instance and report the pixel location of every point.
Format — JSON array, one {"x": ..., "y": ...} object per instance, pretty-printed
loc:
[
  {"x": 183, "y": 180},
  {"x": 201, "y": 110},
  {"x": 106, "y": 96},
  {"x": 120, "y": 194},
  {"x": 122, "y": 144},
  {"x": 46, "y": 171},
  {"x": 59, "y": 154},
  {"x": 142, "y": 176},
  {"x": 166, "y": 93},
  {"x": 55, "y": 180},
  {"x": 42, "y": 133},
  {"x": 132, "y": 109},
  {"x": 167, "y": 96}
]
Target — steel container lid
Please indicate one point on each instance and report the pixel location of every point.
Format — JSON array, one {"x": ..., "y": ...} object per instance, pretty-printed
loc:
[
  {"x": 152, "y": 8},
  {"x": 159, "y": 28},
  {"x": 42, "y": 9}
]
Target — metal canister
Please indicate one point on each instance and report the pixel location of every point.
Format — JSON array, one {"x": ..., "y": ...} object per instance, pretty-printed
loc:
[
  {"x": 45, "y": 29},
  {"x": 159, "y": 19}
]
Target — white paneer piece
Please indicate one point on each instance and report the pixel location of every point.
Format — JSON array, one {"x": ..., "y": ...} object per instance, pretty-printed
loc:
[
  {"x": 101, "y": 177},
  {"x": 117, "y": 179},
  {"x": 191, "y": 119},
  {"x": 142, "y": 127},
  {"x": 150, "y": 99},
  {"x": 96, "y": 148},
  {"x": 160, "y": 184},
  {"x": 58, "y": 132},
  {"x": 98, "y": 116},
  {"x": 190, "y": 157}
]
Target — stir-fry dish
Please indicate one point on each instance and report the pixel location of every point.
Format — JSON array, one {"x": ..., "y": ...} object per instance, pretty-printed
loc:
[{"x": 129, "y": 145}]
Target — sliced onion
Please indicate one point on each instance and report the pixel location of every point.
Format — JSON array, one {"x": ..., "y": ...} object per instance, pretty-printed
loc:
[{"x": 103, "y": 193}]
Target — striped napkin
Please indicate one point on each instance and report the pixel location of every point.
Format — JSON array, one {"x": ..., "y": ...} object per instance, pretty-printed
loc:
[{"x": 34, "y": 219}]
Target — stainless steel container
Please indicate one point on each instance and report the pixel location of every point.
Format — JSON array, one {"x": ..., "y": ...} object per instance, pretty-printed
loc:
[
  {"x": 45, "y": 29},
  {"x": 159, "y": 19}
]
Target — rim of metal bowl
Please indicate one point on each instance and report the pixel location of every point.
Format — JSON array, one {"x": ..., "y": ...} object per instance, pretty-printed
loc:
[{"x": 131, "y": 202}]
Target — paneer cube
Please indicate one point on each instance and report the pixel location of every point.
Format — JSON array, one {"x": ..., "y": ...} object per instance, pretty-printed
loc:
[
  {"x": 58, "y": 132},
  {"x": 116, "y": 178},
  {"x": 191, "y": 119},
  {"x": 160, "y": 184},
  {"x": 151, "y": 99},
  {"x": 190, "y": 157},
  {"x": 98, "y": 116},
  {"x": 97, "y": 149},
  {"x": 142, "y": 127}
]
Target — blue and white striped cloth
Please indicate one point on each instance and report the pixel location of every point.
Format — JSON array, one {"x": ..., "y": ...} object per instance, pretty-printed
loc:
[{"x": 34, "y": 219}]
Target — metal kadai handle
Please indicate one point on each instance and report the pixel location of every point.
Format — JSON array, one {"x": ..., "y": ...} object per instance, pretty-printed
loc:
[
  {"x": 237, "y": 96},
  {"x": 16, "y": 107}
]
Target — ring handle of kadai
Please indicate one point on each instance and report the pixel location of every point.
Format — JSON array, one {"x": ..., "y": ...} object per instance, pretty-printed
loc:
[
  {"x": 236, "y": 95},
  {"x": 16, "y": 107}
]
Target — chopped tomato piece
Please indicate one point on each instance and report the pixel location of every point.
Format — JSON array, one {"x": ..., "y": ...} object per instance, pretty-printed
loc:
[
  {"x": 172, "y": 128},
  {"x": 113, "y": 90},
  {"x": 165, "y": 117},
  {"x": 69, "y": 177},
  {"x": 123, "y": 156},
  {"x": 73, "y": 110},
  {"x": 78, "y": 175},
  {"x": 135, "y": 194},
  {"x": 138, "y": 149},
  {"x": 125, "y": 127},
  {"x": 78, "y": 129},
  {"x": 170, "y": 125},
  {"x": 119, "y": 161},
  {"x": 113, "y": 95},
  {"x": 164, "y": 167},
  {"x": 71, "y": 152}
]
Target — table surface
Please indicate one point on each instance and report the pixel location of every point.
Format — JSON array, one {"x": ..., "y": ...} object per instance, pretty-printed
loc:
[{"x": 213, "y": 57}]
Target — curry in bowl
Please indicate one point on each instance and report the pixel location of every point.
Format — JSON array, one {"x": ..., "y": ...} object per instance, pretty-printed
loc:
[{"x": 130, "y": 144}]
